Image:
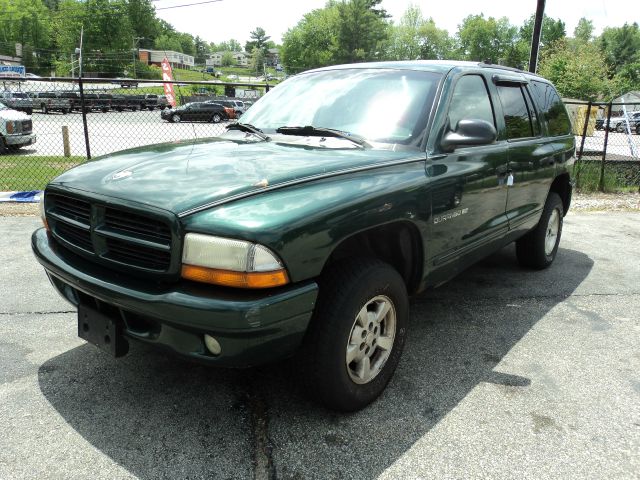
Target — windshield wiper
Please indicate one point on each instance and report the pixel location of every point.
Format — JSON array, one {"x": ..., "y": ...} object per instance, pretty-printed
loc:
[
  {"x": 248, "y": 128},
  {"x": 311, "y": 131}
]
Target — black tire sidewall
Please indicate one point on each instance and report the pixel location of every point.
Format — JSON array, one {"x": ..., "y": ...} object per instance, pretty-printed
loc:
[
  {"x": 338, "y": 308},
  {"x": 531, "y": 248}
]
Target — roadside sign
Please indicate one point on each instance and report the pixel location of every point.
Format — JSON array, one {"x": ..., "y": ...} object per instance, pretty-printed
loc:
[{"x": 12, "y": 71}]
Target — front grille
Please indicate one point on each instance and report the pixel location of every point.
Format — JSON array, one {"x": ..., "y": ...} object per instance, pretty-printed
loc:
[
  {"x": 26, "y": 126},
  {"x": 143, "y": 257},
  {"x": 138, "y": 225},
  {"x": 71, "y": 208},
  {"x": 79, "y": 237},
  {"x": 120, "y": 238}
]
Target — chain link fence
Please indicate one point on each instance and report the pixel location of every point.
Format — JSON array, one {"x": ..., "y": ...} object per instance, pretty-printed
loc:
[
  {"x": 608, "y": 146},
  {"x": 72, "y": 120},
  {"x": 67, "y": 121}
]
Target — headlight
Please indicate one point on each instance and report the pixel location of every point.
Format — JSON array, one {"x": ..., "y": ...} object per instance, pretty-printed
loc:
[
  {"x": 232, "y": 263},
  {"x": 11, "y": 127},
  {"x": 42, "y": 211}
]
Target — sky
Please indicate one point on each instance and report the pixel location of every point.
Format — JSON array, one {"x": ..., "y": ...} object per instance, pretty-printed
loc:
[{"x": 226, "y": 19}]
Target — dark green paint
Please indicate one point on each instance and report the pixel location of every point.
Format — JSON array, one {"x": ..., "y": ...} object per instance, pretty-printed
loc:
[{"x": 302, "y": 200}]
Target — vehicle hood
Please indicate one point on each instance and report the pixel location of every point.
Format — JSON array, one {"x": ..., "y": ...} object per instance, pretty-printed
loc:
[
  {"x": 13, "y": 115},
  {"x": 182, "y": 176}
]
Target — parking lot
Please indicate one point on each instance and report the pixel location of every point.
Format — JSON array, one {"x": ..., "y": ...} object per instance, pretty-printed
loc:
[{"x": 506, "y": 374}]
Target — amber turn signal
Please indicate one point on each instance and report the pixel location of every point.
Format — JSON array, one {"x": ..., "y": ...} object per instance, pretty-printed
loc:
[{"x": 227, "y": 278}]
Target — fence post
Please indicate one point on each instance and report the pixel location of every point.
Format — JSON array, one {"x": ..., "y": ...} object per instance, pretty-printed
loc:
[
  {"x": 84, "y": 119},
  {"x": 604, "y": 149},
  {"x": 584, "y": 135},
  {"x": 65, "y": 141}
]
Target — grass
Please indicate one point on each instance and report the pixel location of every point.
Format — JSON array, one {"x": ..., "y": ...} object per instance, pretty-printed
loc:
[
  {"x": 24, "y": 173},
  {"x": 619, "y": 177}
]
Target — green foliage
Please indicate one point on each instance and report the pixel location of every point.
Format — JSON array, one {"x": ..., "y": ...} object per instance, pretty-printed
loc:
[
  {"x": 257, "y": 60},
  {"x": 228, "y": 59},
  {"x": 577, "y": 69},
  {"x": 584, "y": 30},
  {"x": 489, "y": 39},
  {"x": 361, "y": 30},
  {"x": 418, "y": 38},
  {"x": 259, "y": 39}
]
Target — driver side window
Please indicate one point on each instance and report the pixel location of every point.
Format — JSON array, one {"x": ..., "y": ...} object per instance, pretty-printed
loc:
[{"x": 470, "y": 100}]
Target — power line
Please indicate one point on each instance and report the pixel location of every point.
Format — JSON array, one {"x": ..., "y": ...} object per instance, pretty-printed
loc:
[{"x": 188, "y": 4}]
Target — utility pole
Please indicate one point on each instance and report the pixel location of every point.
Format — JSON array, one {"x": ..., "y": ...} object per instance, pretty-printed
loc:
[
  {"x": 135, "y": 44},
  {"x": 535, "y": 40}
]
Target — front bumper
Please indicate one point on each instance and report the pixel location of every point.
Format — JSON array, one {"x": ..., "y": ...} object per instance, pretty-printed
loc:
[
  {"x": 20, "y": 140},
  {"x": 253, "y": 327}
]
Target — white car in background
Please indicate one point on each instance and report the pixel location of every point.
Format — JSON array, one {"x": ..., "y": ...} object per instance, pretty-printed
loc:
[{"x": 16, "y": 129}]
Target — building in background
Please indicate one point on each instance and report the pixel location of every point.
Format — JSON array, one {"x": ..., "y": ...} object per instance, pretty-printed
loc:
[{"x": 176, "y": 59}]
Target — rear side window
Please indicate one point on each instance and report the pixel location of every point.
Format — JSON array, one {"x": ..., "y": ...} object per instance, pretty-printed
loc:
[
  {"x": 552, "y": 108},
  {"x": 517, "y": 117},
  {"x": 470, "y": 100}
]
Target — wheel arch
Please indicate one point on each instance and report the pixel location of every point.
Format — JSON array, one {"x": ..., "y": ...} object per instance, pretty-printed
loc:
[
  {"x": 398, "y": 243},
  {"x": 562, "y": 186}
]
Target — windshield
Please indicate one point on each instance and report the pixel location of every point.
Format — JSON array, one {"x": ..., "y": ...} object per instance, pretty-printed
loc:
[{"x": 381, "y": 105}]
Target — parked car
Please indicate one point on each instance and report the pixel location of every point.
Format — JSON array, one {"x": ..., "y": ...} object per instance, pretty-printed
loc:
[
  {"x": 230, "y": 106},
  {"x": 125, "y": 82},
  {"x": 56, "y": 102},
  {"x": 16, "y": 129},
  {"x": 619, "y": 123},
  {"x": 17, "y": 101},
  {"x": 196, "y": 112},
  {"x": 302, "y": 231}
]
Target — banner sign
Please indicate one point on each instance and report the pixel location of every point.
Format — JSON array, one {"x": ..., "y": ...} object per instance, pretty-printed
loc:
[
  {"x": 12, "y": 70},
  {"x": 167, "y": 76}
]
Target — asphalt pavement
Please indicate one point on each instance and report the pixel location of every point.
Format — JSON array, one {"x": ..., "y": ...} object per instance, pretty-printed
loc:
[{"x": 506, "y": 373}]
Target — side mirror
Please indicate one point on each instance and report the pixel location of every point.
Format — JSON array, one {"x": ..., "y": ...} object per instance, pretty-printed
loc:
[{"x": 469, "y": 132}]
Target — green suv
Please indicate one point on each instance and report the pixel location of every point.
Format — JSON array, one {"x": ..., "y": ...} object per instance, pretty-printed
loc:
[{"x": 303, "y": 230}]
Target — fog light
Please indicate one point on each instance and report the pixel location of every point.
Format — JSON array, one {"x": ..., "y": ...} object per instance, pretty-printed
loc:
[{"x": 212, "y": 345}]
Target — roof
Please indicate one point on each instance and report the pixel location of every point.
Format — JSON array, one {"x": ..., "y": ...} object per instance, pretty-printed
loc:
[{"x": 436, "y": 66}]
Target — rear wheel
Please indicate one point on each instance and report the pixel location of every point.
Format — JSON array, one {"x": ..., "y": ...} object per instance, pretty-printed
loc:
[
  {"x": 216, "y": 118},
  {"x": 538, "y": 248},
  {"x": 355, "y": 340},
  {"x": 29, "y": 111}
]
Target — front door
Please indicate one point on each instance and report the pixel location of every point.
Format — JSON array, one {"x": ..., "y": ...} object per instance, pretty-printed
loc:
[{"x": 469, "y": 191}]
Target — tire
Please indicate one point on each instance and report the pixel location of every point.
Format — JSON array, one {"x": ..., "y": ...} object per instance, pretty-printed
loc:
[
  {"x": 216, "y": 118},
  {"x": 620, "y": 128},
  {"x": 638, "y": 129},
  {"x": 538, "y": 248},
  {"x": 45, "y": 109},
  {"x": 175, "y": 118},
  {"x": 66, "y": 110},
  {"x": 29, "y": 111},
  {"x": 342, "y": 328},
  {"x": 150, "y": 109}
]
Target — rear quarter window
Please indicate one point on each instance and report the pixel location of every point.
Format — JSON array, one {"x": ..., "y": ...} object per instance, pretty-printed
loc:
[{"x": 552, "y": 108}]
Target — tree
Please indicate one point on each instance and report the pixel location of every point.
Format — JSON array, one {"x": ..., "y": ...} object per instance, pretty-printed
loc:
[
  {"x": 620, "y": 46},
  {"x": 259, "y": 39},
  {"x": 361, "y": 30},
  {"x": 313, "y": 41},
  {"x": 584, "y": 30},
  {"x": 416, "y": 37},
  {"x": 577, "y": 69},
  {"x": 257, "y": 60},
  {"x": 489, "y": 39},
  {"x": 228, "y": 59}
]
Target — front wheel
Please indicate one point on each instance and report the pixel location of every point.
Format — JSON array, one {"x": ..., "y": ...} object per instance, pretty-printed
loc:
[
  {"x": 355, "y": 340},
  {"x": 620, "y": 128},
  {"x": 538, "y": 248},
  {"x": 175, "y": 118}
]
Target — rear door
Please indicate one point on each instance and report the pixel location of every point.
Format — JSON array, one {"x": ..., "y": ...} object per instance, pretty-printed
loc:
[{"x": 531, "y": 155}]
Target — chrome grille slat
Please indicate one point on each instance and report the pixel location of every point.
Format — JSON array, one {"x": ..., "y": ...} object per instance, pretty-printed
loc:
[{"x": 111, "y": 235}]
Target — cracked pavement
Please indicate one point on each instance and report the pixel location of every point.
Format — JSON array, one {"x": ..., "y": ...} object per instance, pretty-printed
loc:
[{"x": 506, "y": 373}]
